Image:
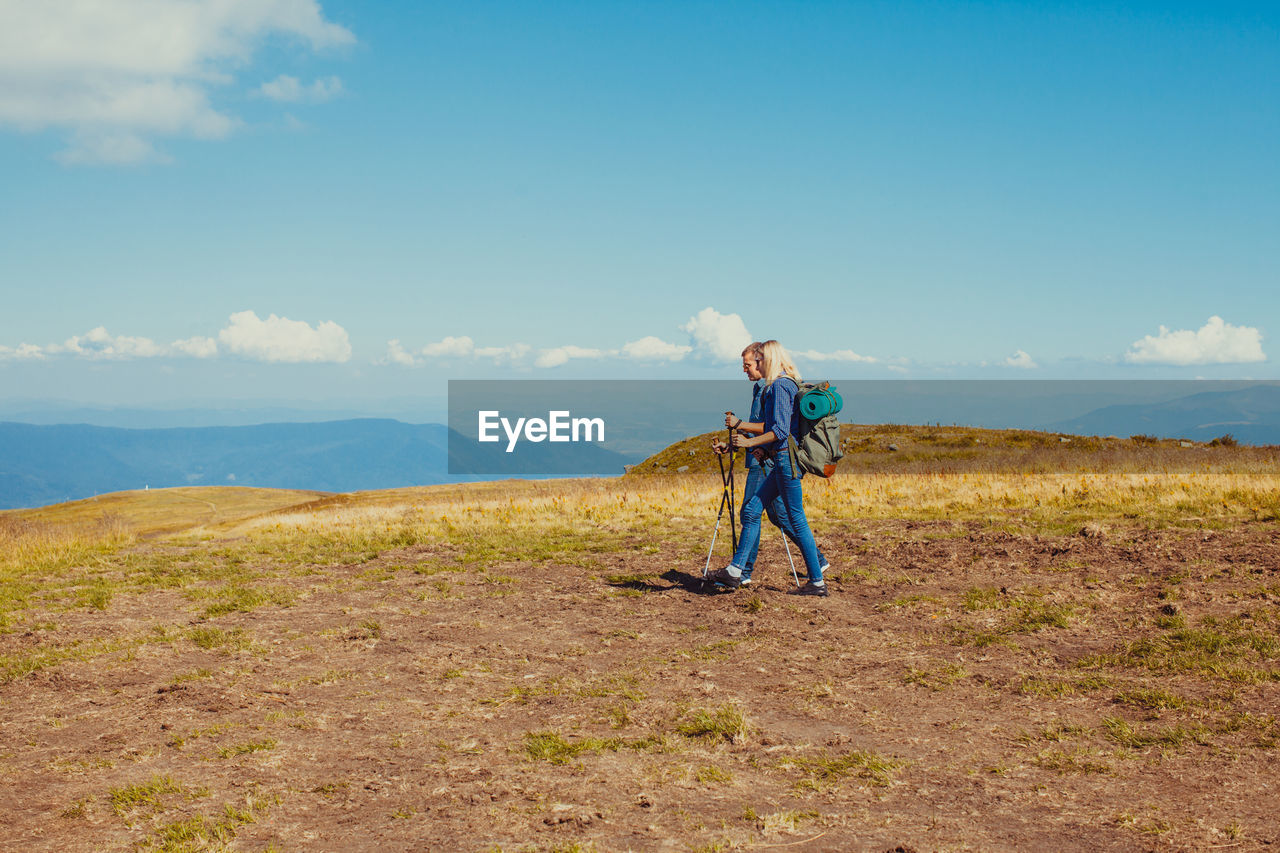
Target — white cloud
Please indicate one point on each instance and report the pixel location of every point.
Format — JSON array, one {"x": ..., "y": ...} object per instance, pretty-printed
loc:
[
  {"x": 650, "y": 348},
  {"x": 719, "y": 336},
  {"x": 99, "y": 343},
  {"x": 115, "y": 74},
  {"x": 290, "y": 89},
  {"x": 280, "y": 339},
  {"x": 450, "y": 347},
  {"x": 837, "y": 355},
  {"x": 397, "y": 354},
  {"x": 505, "y": 355},
  {"x": 197, "y": 347},
  {"x": 1021, "y": 359},
  {"x": 1216, "y": 342},
  {"x": 557, "y": 356},
  {"x": 22, "y": 352},
  {"x": 461, "y": 346}
]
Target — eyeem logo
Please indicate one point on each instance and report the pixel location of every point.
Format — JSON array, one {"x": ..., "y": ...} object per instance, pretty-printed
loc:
[{"x": 559, "y": 426}]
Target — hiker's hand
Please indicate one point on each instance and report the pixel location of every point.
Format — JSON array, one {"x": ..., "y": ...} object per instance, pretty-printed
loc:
[
  {"x": 740, "y": 440},
  {"x": 731, "y": 420},
  {"x": 719, "y": 448}
]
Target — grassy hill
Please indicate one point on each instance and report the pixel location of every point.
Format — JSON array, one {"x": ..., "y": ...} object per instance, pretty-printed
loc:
[
  {"x": 156, "y": 511},
  {"x": 871, "y": 448},
  {"x": 1036, "y": 645}
]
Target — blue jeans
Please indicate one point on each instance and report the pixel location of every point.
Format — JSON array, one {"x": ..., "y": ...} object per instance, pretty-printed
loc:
[
  {"x": 775, "y": 509},
  {"x": 778, "y": 484}
]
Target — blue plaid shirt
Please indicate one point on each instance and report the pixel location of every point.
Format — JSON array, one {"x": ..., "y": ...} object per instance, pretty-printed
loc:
[
  {"x": 775, "y": 406},
  {"x": 781, "y": 415}
]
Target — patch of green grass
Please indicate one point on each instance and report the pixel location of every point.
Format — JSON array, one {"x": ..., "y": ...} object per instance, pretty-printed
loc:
[
  {"x": 710, "y": 774},
  {"x": 211, "y": 637},
  {"x": 98, "y": 594},
  {"x": 1063, "y": 731},
  {"x": 15, "y": 666},
  {"x": 1228, "y": 651},
  {"x": 202, "y": 833},
  {"x": 725, "y": 722},
  {"x": 330, "y": 788},
  {"x": 194, "y": 675},
  {"x": 937, "y": 679},
  {"x": 1151, "y": 698},
  {"x": 552, "y": 747},
  {"x": 1135, "y": 736},
  {"x": 1032, "y": 615},
  {"x": 979, "y": 639},
  {"x": 982, "y": 598},
  {"x": 237, "y": 598},
  {"x": 246, "y": 748},
  {"x": 720, "y": 650},
  {"x": 826, "y": 771},
  {"x": 142, "y": 795},
  {"x": 1054, "y": 687},
  {"x": 1076, "y": 761}
]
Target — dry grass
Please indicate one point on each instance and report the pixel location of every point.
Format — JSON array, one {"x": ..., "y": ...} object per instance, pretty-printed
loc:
[
  {"x": 1052, "y": 502},
  {"x": 155, "y": 511},
  {"x": 986, "y": 659}
]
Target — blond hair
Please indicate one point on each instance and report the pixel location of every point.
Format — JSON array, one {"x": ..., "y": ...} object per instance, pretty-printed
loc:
[{"x": 777, "y": 362}]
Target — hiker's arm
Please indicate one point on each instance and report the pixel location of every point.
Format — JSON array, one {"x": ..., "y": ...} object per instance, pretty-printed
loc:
[
  {"x": 732, "y": 421},
  {"x": 744, "y": 441}
]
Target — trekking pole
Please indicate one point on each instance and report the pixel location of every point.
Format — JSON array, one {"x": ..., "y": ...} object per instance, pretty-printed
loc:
[
  {"x": 787, "y": 545},
  {"x": 719, "y": 515},
  {"x": 733, "y": 522}
]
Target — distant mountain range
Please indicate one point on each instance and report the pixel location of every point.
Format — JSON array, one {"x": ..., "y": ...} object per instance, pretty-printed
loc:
[
  {"x": 1250, "y": 415},
  {"x": 47, "y": 464}
]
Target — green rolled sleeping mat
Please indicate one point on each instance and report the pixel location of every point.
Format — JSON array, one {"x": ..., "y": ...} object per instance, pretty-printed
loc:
[{"x": 820, "y": 402}]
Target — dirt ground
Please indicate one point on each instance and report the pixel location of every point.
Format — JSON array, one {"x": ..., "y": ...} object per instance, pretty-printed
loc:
[{"x": 963, "y": 688}]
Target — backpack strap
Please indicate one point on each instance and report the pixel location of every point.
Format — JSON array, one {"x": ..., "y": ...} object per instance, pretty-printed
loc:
[{"x": 795, "y": 456}]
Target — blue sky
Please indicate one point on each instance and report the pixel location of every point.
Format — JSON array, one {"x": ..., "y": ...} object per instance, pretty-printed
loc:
[{"x": 255, "y": 200}]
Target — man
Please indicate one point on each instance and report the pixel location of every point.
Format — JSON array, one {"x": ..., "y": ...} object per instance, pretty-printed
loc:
[{"x": 758, "y": 465}]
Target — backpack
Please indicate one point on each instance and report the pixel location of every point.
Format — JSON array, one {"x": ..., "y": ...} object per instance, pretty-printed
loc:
[{"x": 818, "y": 448}]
